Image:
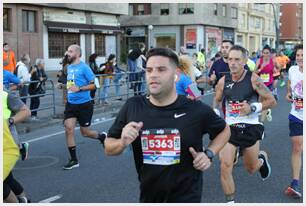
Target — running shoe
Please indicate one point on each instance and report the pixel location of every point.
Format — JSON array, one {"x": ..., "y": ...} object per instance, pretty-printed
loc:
[
  {"x": 269, "y": 115},
  {"x": 23, "y": 200},
  {"x": 71, "y": 164},
  {"x": 293, "y": 191},
  {"x": 265, "y": 169},
  {"x": 24, "y": 150}
]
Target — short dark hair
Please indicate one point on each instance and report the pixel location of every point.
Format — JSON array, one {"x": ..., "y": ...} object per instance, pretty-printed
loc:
[
  {"x": 298, "y": 47},
  {"x": 4, "y": 44},
  {"x": 110, "y": 57},
  {"x": 273, "y": 51},
  {"x": 240, "y": 48},
  {"x": 202, "y": 50},
  {"x": 165, "y": 52},
  {"x": 92, "y": 57},
  {"x": 267, "y": 47},
  {"x": 228, "y": 41},
  {"x": 218, "y": 54}
]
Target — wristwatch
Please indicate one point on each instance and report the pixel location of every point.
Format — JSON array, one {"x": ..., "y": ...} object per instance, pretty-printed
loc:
[
  {"x": 210, "y": 154},
  {"x": 11, "y": 121},
  {"x": 253, "y": 108},
  {"x": 80, "y": 89}
]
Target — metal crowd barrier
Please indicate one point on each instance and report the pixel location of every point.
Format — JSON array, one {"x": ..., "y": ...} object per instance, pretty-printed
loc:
[
  {"x": 50, "y": 93},
  {"x": 125, "y": 84}
]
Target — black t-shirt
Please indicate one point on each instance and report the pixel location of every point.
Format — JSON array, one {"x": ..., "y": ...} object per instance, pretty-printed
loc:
[{"x": 191, "y": 119}]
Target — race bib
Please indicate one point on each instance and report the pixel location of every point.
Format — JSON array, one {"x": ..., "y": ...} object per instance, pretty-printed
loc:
[
  {"x": 69, "y": 84},
  {"x": 161, "y": 146},
  {"x": 265, "y": 77},
  {"x": 234, "y": 109},
  {"x": 298, "y": 103}
]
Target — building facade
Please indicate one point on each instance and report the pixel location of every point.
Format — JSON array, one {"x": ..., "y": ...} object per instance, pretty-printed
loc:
[
  {"x": 256, "y": 26},
  {"x": 95, "y": 27},
  {"x": 192, "y": 25},
  {"x": 291, "y": 24},
  {"x": 23, "y": 30}
]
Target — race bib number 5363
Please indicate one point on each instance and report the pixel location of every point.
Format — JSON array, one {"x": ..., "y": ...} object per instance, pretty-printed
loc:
[{"x": 161, "y": 146}]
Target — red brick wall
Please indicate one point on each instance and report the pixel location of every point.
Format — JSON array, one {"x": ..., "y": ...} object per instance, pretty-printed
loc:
[
  {"x": 22, "y": 42},
  {"x": 289, "y": 28}
]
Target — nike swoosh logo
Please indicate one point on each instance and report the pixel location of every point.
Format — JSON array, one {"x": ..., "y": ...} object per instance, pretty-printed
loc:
[{"x": 178, "y": 115}]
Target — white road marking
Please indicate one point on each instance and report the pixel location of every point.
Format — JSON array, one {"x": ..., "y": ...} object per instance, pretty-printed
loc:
[
  {"x": 62, "y": 132},
  {"x": 51, "y": 199}
]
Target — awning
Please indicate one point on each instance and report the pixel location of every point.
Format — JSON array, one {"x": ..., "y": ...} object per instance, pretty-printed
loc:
[{"x": 80, "y": 28}]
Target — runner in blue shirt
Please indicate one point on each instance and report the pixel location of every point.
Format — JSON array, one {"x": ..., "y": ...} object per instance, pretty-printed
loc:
[{"x": 80, "y": 80}]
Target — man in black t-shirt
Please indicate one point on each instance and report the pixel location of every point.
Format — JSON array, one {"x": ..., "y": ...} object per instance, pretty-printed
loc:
[
  {"x": 166, "y": 132},
  {"x": 220, "y": 67}
]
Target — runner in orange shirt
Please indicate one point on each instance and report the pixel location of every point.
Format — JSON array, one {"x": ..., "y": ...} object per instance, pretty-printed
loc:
[
  {"x": 276, "y": 72},
  {"x": 9, "y": 61},
  {"x": 283, "y": 60}
]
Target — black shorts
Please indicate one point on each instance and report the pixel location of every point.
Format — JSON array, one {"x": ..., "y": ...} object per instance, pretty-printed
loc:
[
  {"x": 246, "y": 135},
  {"x": 83, "y": 112},
  {"x": 296, "y": 129}
]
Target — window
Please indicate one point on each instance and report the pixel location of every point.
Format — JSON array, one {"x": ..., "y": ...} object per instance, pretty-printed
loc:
[
  {"x": 167, "y": 41},
  {"x": 59, "y": 43},
  {"x": 164, "y": 9},
  {"x": 6, "y": 19},
  {"x": 186, "y": 8},
  {"x": 234, "y": 13},
  {"x": 28, "y": 21},
  {"x": 140, "y": 9},
  {"x": 257, "y": 23},
  {"x": 216, "y": 9},
  {"x": 223, "y": 10},
  {"x": 239, "y": 40},
  {"x": 100, "y": 44},
  {"x": 243, "y": 21}
]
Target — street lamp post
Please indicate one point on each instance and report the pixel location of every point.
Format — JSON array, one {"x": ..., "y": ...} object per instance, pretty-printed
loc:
[
  {"x": 276, "y": 27},
  {"x": 150, "y": 28}
]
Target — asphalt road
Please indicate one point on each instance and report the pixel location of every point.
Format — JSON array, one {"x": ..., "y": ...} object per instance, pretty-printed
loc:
[{"x": 113, "y": 179}]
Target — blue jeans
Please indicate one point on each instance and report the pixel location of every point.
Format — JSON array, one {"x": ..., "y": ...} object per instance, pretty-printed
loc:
[
  {"x": 104, "y": 93},
  {"x": 117, "y": 77},
  {"x": 23, "y": 92}
]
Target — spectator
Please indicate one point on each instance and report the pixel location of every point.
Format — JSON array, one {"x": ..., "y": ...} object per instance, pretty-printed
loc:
[
  {"x": 107, "y": 71},
  {"x": 9, "y": 61},
  {"x": 195, "y": 61},
  {"x": 141, "y": 65},
  {"x": 117, "y": 77},
  {"x": 23, "y": 74},
  {"x": 201, "y": 59},
  {"x": 183, "y": 51},
  {"x": 37, "y": 74},
  {"x": 132, "y": 56},
  {"x": 95, "y": 69},
  {"x": 62, "y": 77},
  {"x": 136, "y": 65}
]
